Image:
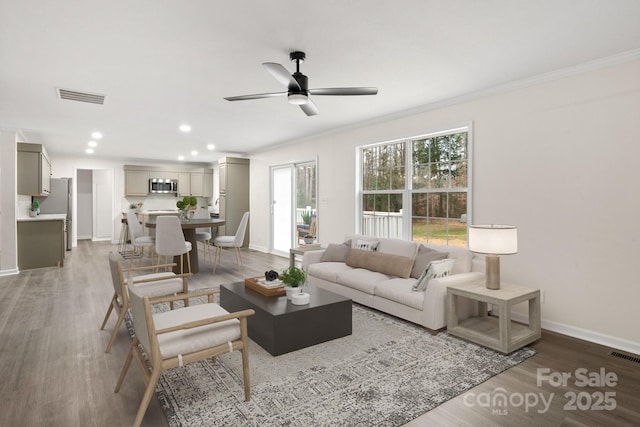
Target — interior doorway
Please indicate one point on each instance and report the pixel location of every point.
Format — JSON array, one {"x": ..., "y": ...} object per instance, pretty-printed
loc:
[{"x": 94, "y": 204}]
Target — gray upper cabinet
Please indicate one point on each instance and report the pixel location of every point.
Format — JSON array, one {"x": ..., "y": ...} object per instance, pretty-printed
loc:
[
  {"x": 136, "y": 183},
  {"x": 34, "y": 170}
]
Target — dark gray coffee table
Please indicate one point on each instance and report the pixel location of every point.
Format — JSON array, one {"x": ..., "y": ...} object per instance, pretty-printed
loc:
[{"x": 280, "y": 327}]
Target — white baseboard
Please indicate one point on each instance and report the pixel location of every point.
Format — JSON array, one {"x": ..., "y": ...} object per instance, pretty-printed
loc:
[
  {"x": 258, "y": 248},
  {"x": 10, "y": 272},
  {"x": 584, "y": 334}
]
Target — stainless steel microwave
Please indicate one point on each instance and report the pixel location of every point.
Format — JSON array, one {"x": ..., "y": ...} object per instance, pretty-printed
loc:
[{"x": 161, "y": 185}]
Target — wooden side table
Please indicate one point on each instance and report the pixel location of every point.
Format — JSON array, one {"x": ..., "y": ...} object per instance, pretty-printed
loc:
[
  {"x": 499, "y": 333},
  {"x": 300, "y": 250}
]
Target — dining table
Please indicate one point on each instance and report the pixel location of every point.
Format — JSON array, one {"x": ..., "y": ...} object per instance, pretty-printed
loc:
[{"x": 189, "y": 230}]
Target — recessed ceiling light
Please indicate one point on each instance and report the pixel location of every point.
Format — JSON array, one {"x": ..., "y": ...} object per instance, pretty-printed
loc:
[
  {"x": 211, "y": 147},
  {"x": 96, "y": 135},
  {"x": 185, "y": 128},
  {"x": 89, "y": 150},
  {"x": 180, "y": 157},
  {"x": 194, "y": 153},
  {"x": 92, "y": 144}
]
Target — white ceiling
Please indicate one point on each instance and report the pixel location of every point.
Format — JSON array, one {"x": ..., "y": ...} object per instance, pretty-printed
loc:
[{"x": 162, "y": 63}]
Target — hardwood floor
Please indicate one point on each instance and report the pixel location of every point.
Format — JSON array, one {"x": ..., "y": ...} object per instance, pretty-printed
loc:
[{"x": 54, "y": 370}]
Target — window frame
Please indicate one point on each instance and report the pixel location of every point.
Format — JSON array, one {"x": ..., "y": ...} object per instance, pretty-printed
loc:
[{"x": 408, "y": 190}]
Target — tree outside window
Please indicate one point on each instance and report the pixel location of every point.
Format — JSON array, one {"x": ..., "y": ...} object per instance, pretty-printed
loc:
[{"x": 437, "y": 189}]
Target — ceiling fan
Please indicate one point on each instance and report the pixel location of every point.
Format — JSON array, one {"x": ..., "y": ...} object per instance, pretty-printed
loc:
[{"x": 297, "y": 86}]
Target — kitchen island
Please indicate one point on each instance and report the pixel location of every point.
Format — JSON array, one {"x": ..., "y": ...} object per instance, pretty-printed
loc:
[{"x": 41, "y": 241}]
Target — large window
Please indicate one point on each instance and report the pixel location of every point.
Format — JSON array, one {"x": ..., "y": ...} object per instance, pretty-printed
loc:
[{"x": 417, "y": 188}]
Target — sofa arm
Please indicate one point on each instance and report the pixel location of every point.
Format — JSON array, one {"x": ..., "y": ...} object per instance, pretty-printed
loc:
[
  {"x": 311, "y": 257},
  {"x": 435, "y": 299}
]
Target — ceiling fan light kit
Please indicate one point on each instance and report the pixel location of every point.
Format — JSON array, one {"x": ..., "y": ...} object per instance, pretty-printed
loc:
[
  {"x": 297, "y": 86},
  {"x": 297, "y": 98}
]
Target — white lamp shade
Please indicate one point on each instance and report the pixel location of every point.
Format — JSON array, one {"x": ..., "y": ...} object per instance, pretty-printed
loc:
[{"x": 493, "y": 239}]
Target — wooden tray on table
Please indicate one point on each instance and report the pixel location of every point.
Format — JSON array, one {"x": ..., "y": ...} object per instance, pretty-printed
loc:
[{"x": 252, "y": 283}]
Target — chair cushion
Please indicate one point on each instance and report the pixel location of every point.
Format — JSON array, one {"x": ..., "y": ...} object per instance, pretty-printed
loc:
[
  {"x": 158, "y": 289},
  {"x": 202, "y": 235},
  {"x": 224, "y": 241},
  {"x": 145, "y": 240},
  {"x": 200, "y": 338}
]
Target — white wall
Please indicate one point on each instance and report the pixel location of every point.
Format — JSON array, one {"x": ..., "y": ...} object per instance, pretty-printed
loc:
[{"x": 556, "y": 158}]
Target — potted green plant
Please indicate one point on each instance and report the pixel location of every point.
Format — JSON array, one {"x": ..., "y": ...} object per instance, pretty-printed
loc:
[
  {"x": 133, "y": 207},
  {"x": 186, "y": 204},
  {"x": 35, "y": 207},
  {"x": 308, "y": 239},
  {"x": 306, "y": 217},
  {"x": 293, "y": 278}
]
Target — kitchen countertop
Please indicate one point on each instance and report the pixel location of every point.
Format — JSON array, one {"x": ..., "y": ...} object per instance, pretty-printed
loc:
[{"x": 45, "y": 217}]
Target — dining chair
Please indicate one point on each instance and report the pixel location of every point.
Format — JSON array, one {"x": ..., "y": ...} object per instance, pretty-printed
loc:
[
  {"x": 138, "y": 239},
  {"x": 170, "y": 240},
  {"x": 182, "y": 336},
  {"x": 203, "y": 234},
  {"x": 152, "y": 285},
  {"x": 234, "y": 242}
]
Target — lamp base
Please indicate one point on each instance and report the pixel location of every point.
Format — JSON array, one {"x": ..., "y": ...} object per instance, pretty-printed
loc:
[{"x": 492, "y": 267}]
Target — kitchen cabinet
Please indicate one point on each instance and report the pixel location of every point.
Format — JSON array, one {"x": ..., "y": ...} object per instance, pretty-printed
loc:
[
  {"x": 184, "y": 184},
  {"x": 234, "y": 193},
  {"x": 199, "y": 184},
  {"x": 136, "y": 183},
  {"x": 34, "y": 170},
  {"x": 41, "y": 243}
]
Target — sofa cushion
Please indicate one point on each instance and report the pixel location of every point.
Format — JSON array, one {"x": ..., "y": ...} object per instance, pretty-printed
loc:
[
  {"x": 392, "y": 265},
  {"x": 399, "y": 290},
  {"x": 462, "y": 256},
  {"x": 367, "y": 244},
  {"x": 336, "y": 253},
  {"x": 423, "y": 258},
  {"x": 437, "y": 269},
  {"x": 361, "y": 279},
  {"x": 398, "y": 247},
  {"x": 328, "y": 270}
]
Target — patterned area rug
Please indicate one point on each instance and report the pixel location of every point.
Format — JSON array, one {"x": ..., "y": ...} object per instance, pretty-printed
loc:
[{"x": 387, "y": 373}]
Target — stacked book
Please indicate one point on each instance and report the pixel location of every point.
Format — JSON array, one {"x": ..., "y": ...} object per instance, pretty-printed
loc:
[{"x": 270, "y": 284}]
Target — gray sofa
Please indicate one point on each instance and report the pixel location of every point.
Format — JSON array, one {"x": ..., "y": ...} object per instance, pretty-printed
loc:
[{"x": 378, "y": 279}]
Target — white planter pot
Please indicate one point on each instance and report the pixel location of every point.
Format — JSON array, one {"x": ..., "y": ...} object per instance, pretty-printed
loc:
[{"x": 290, "y": 291}]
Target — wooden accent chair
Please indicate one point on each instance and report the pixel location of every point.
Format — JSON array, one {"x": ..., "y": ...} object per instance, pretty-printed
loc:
[
  {"x": 181, "y": 336},
  {"x": 153, "y": 285},
  {"x": 234, "y": 242}
]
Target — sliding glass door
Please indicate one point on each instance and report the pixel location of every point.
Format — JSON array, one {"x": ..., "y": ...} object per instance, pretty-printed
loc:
[{"x": 293, "y": 205}]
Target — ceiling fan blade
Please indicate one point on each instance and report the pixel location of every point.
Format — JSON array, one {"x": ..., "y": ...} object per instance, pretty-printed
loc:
[
  {"x": 282, "y": 75},
  {"x": 309, "y": 108},
  {"x": 342, "y": 91},
  {"x": 255, "y": 96}
]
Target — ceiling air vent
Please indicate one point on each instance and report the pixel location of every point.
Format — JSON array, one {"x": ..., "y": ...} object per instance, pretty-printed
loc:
[{"x": 74, "y": 95}]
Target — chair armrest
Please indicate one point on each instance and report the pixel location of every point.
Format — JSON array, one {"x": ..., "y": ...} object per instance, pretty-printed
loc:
[
  {"x": 158, "y": 279},
  {"x": 311, "y": 257},
  {"x": 208, "y": 321},
  {"x": 171, "y": 298},
  {"x": 149, "y": 267}
]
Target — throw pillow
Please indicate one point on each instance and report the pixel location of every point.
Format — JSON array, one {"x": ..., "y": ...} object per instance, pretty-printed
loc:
[
  {"x": 392, "y": 265},
  {"x": 437, "y": 269},
  {"x": 367, "y": 245},
  {"x": 336, "y": 252},
  {"x": 423, "y": 258}
]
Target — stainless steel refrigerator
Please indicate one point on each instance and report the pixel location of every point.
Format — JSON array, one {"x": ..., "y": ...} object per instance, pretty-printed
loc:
[{"x": 59, "y": 202}]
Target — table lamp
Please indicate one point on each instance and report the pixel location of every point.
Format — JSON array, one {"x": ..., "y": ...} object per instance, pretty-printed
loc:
[{"x": 493, "y": 240}]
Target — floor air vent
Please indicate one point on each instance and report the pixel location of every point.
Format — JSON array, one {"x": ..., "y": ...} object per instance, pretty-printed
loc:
[
  {"x": 625, "y": 357},
  {"x": 74, "y": 95}
]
